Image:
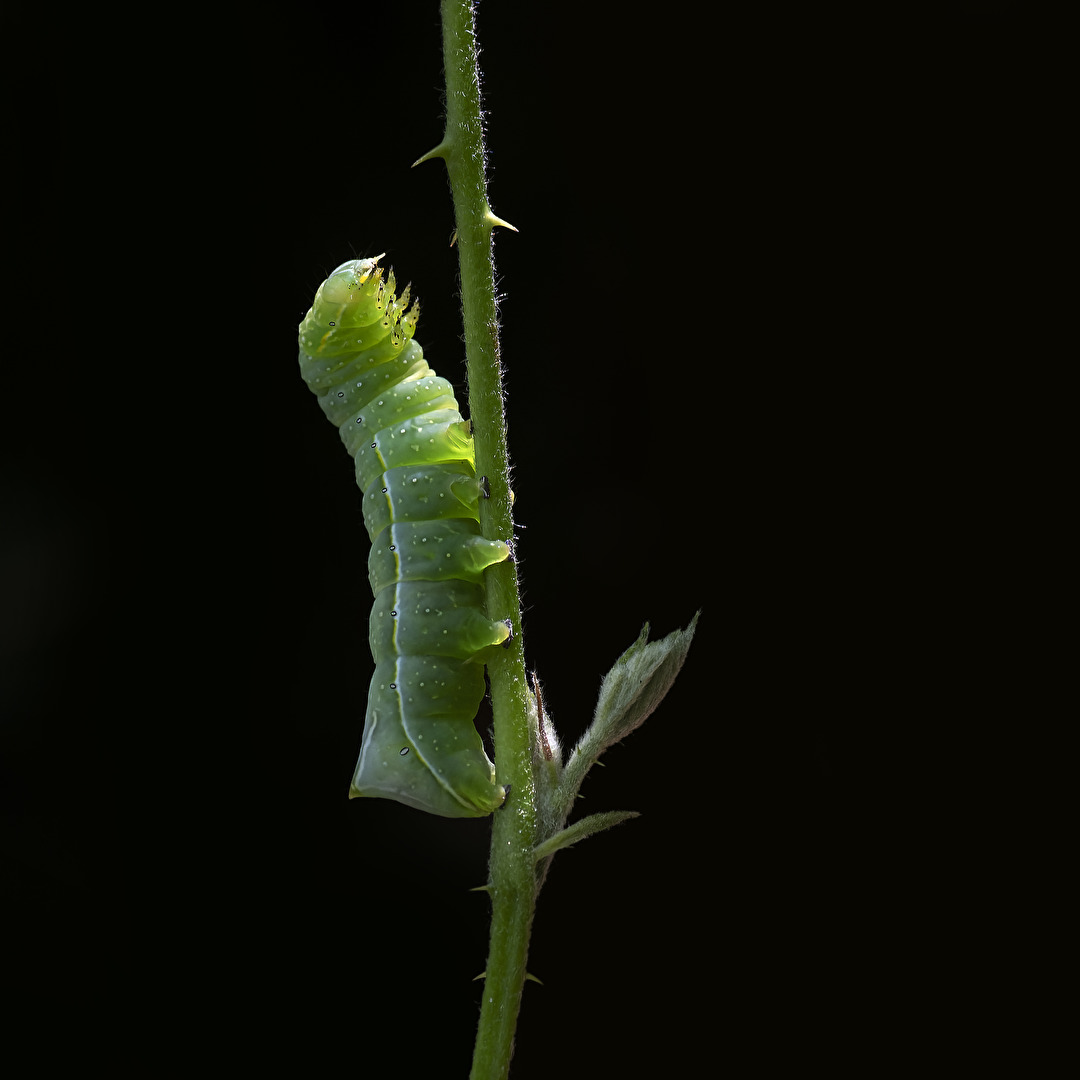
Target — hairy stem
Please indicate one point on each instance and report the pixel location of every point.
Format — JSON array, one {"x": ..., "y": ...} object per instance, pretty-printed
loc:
[{"x": 511, "y": 872}]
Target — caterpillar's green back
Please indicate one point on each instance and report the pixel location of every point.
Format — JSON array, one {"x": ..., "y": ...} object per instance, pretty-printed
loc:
[{"x": 416, "y": 468}]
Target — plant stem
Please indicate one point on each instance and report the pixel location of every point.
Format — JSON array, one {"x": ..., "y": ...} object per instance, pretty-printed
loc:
[{"x": 512, "y": 880}]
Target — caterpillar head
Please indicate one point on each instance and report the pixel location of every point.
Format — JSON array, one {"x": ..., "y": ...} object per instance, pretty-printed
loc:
[
  {"x": 347, "y": 283},
  {"x": 356, "y": 306}
]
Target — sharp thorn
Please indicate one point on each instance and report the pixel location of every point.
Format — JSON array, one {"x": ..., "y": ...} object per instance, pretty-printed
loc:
[
  {"x": 493, "y": 221},
  {"x": 440, "y": 151}
]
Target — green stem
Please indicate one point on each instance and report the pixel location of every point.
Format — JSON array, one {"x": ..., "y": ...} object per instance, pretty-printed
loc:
[{"x": 512, "y": 880}]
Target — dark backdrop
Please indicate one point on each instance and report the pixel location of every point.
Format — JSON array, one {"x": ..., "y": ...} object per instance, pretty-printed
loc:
[{"x": 745, "y": 246}]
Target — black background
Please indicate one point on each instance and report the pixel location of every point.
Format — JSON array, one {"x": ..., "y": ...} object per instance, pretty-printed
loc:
[{"x": 739, "y": 313}]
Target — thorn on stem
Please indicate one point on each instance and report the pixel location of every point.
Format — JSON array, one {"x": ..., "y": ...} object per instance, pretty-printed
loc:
[
  {"x": 440, "y": 151},
  {"x": 493, "y": 220}
]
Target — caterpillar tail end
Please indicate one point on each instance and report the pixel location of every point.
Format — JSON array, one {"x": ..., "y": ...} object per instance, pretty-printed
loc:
[{"x": 417, "y": 758}]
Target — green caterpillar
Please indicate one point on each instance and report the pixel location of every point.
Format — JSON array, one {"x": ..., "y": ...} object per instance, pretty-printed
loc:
[{"x": 416, "y": 467}]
